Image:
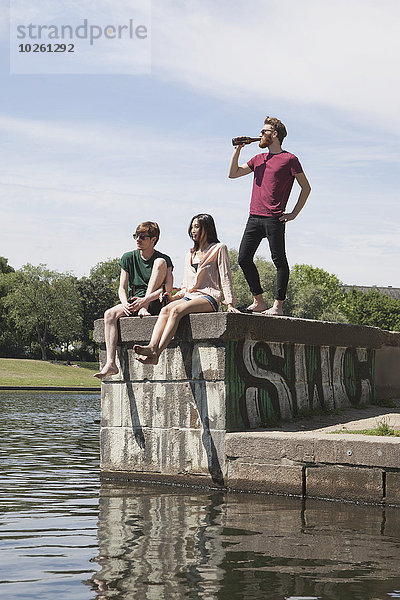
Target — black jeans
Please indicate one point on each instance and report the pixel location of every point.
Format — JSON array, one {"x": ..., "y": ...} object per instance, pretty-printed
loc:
[{"x": 257, "y": 229}]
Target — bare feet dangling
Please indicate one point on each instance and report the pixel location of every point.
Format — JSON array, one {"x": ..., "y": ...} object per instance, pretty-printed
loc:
[
  {"x": 144, "y": 350},
  {"x": 107, "y": 371},
  {"x": 148, "y": 360}
]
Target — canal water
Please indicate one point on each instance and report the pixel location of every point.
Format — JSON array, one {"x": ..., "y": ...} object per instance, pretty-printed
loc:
[{"x": 63, "y": 535}]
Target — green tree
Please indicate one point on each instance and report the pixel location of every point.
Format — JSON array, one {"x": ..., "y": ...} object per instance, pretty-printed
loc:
[
  {"x": 372, "y": 308},
  {"x": 312, "y": 292},
  {"x": 241, "y": 290},
  {"x": 97, "y": 294},
  {"x": 108, "y": 272},
  {"x": 315, "y": 294},
  {"x": 4, "y": 266},
  {"x": 11, "y": 343},
  {"x": 44, "y": 303}
]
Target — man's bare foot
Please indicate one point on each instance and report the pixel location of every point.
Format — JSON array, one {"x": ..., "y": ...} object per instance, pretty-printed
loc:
[
  {"x": 107, "y": 371},
  {"x": 257, "y": 306},
  {"x": 148, "y": 360},
  {"x": 144, "y": 350},
  {"x": 274, "y": 310},
  {"x": 143, "y": 312}
]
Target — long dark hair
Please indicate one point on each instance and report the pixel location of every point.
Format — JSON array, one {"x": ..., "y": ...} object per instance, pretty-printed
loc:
[{"x": 207, "y": 224}]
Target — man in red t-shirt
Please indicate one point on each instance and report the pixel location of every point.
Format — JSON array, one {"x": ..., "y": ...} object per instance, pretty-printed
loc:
[{"x": 274, "y": 173}]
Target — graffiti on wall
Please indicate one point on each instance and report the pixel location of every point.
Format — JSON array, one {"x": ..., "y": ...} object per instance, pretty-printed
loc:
[{"x": 269, "y": 381}]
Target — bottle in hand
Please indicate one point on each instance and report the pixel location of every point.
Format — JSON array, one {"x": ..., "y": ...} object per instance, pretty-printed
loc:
[{"x": 239, "y": 141}]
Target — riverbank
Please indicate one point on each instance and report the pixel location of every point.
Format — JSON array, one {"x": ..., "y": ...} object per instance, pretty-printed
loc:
[{"x": 21, "y": 373}]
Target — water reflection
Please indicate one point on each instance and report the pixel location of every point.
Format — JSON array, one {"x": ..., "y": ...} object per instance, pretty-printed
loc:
[
  {"x": 60, "y": 539},
  {"x": 49, "y": 482},
  {"x": 168, "y": 543}
]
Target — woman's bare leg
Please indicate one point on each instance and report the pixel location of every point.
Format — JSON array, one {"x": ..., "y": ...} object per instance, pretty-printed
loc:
[
  {"x": 157, "y": 333},
  {"x": 177, "y": 310}
]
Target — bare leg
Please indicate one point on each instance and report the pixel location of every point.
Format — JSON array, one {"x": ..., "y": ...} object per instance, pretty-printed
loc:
[
  {"x": 111, "y": 317},
  {"x": 258, "y": 304},
  {"x": 175, "y": 312},
  {"x": 276, "y": 309},
  {"x": 157, "y": 332}
]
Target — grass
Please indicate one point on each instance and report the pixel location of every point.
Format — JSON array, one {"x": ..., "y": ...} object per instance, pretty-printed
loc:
[
  {"x": 26, "y": 372},
  {"x": 382, "y": 428}
]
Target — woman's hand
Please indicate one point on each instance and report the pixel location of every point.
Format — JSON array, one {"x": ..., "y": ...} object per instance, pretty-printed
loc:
[{"x": 232, "y": 309}]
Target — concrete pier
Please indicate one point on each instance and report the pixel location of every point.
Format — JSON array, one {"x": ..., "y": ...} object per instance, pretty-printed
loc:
[{"x": 210, "y": 412}]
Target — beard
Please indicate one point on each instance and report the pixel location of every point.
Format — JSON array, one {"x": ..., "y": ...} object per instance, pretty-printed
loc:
[{"x": 263, "y": 143}]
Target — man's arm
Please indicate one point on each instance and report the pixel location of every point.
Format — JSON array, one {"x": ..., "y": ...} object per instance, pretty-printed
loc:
[
  {"x": 122, "y": 292},
  {"x": 169, "y": 280},
  {"x": 161, "y": 276},
  {"x": 234, "y": 169},
  {"x": 304, "y": 193}
]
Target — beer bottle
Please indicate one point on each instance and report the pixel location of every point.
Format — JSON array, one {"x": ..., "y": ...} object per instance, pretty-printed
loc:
[{"x": 238, "y": 141}]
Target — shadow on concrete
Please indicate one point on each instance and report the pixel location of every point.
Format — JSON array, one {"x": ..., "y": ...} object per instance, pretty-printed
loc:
[
  {"x": 137, "y": 429},
  {"x": 214, "y": 466}
]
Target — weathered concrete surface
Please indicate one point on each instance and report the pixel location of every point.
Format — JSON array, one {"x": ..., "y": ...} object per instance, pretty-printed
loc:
[
  {"x": 387, "y": 367},
  {"x": 199, "y": 412},
  {"x": 222, "y": 325},
  {"x": 345, "y": 483}
]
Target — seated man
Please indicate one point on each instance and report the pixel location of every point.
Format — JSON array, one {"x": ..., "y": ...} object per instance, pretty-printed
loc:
[{"x": 145, "y": 274}]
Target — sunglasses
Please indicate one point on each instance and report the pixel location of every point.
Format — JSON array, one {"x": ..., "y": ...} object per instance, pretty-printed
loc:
[
  {"x": 266, "y": 131},
  {"x": 140, "y": 236}
]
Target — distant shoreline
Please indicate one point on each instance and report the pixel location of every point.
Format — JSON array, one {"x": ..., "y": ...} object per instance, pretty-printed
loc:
[{"x": 48, "y": 388}]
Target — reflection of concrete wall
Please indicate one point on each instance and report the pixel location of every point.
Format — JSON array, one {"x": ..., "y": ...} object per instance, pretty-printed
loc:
[
  {"x": 224, "y": 373},
  {"x": 154, "y": 543},
  {"x": 165, "y": 543}
]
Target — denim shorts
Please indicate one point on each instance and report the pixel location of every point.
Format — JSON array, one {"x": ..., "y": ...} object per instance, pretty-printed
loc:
[{"x": 211, "y": 300}]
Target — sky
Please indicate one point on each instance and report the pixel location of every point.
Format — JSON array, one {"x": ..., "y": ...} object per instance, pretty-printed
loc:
[{"x": 86, "y": 156}]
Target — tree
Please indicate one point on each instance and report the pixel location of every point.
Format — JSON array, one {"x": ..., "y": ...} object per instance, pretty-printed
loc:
[
  {"x": 11, "y": 344},
  {"x": 96, "y": 294},
  {"x": 241, "y": 289},
  {"x": 315, "y": 294},
  {"x": 4, "y": 266},
  {"x": 312, "y": 292},
  {"x": 107, "y": 271},
  {"x": 372, "y": 308},
  {"x": 44, "y": 303}
]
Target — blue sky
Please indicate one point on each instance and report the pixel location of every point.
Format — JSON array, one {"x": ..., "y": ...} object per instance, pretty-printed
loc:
[{"x": 87, "y": 157}]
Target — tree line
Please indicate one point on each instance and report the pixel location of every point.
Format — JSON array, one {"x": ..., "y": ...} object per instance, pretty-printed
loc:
[{"x": 46, "y": 314}]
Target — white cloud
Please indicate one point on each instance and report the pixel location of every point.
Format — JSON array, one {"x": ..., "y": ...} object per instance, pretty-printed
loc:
[{"x": 334, "y": 54}]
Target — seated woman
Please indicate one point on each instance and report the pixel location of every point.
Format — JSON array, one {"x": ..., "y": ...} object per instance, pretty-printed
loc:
[{"x": 206, "y": 272}]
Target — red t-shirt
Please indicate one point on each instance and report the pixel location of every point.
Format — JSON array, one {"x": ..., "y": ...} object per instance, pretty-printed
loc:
[{"x": 273, "y": 181}]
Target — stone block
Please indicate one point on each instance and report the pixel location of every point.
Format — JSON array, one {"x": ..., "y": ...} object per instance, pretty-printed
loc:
[
  {"x": 111, "y": 405},
  {"x": 166, "y": 451},
  {"x": 224, "y": 326},
  {"x": 189, "y": 405},
  {"x": 393, "y": 489},
  {"x": 358, "y": 449},
  {"x": 178, "y": 362},
  {"x": 257, "y": 476},
  {"x": 346, "y": 483},
  {"x": 270, "y": 446}
]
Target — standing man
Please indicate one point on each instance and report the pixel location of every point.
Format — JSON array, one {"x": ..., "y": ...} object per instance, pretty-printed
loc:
[
  {"x": 145, "y": 274},
  {"x": 274, "y": 173}
]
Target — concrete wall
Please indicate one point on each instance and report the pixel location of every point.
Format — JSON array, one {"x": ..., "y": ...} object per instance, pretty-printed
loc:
[{"x": 228, "y": 373}]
